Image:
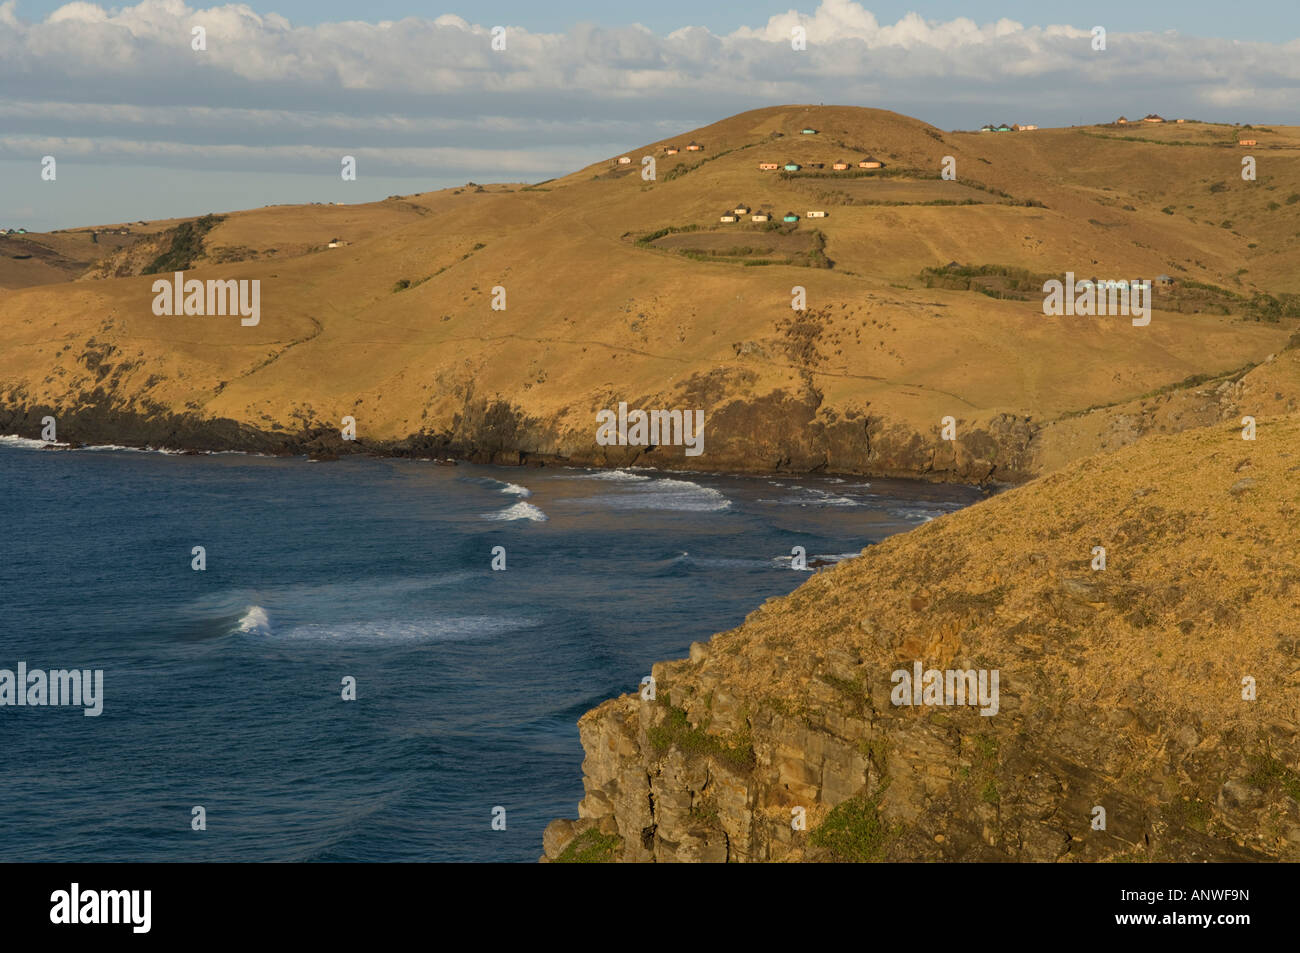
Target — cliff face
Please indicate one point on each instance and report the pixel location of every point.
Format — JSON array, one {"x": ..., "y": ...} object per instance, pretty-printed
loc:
[{"x": 1163, "y": 689}]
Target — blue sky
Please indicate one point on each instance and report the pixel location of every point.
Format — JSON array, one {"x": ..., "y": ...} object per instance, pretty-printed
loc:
[
  {"x": 144, "y": 127},
  {"x": 1268, "y": 20}
]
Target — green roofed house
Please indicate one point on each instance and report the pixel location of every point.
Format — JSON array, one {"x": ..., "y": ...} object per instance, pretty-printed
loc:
[
  {"x": 1002, "y": 127},
  {"x": 790, "y": 217},
  {"x": 791, "y": 167},
  {"x": 809, "y": 132}
]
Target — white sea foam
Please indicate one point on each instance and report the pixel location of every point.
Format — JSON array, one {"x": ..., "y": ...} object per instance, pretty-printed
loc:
[
  {"x": 520, "y": 511},
  {"x": 432, "y": 629},
  {"x": 255, "y": 620},
  {"x": 514, "y": 489},
  {"x": 666, "y": 494},
  {"x": 113, "y": 446},
  {"x": 618, "y": 476},
  {"x": 27, "y": 443}
]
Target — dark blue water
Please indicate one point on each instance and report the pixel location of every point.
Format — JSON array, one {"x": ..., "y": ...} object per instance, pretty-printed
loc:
[{"x": 222, "y": 688}]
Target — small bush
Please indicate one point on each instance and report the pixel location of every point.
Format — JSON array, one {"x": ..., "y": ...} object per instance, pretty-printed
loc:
[
  {"x": 854, "y": 831},
  {"x": 591, "y": 847}
]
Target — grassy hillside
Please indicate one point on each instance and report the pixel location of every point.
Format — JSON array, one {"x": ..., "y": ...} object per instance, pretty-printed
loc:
[{"x": 624, "y": 289}]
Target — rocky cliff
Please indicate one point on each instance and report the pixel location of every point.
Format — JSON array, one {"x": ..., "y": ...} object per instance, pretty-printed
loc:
[{"x": 1144, "y": 711}]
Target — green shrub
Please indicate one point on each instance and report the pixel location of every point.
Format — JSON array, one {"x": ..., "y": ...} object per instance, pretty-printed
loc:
[
  {"x": 854, "y": 831},
  {"x": 591, "y": 847},
  {"x": 186, "y": 245}
]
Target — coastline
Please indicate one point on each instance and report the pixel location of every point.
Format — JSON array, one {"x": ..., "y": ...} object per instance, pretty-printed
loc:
[{"x": 99, "y": 426}]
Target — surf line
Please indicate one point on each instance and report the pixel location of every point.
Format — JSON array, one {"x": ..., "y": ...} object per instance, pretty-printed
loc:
[{"x": 655, "y": 428}]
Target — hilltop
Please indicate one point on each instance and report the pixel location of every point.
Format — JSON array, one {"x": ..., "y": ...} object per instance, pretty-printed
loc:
[
  {"x": 1124, "y": 688},
  {"x": 923, "y": 301}
]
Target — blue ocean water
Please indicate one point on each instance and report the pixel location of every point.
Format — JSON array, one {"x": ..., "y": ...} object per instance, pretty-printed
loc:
[{"x": 222, "y": 688}]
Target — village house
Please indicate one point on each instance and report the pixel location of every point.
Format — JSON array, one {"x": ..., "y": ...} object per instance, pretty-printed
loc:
[
  {"x": 840, "y": 165},
  {"x": 808, "y": 132},
  {"x": 792, "y": 167},
  {"x": 817, "y": 165},
  {"x": 671, "y": 150},
  {"x": 1247, "y": 142},
  {"x": 741, "y": 210},
  {"x": 1121, "y": 121},
  {"x": 1180, "y": 121},
  {"x": 790, "y": 217},
  {"x": 1163, "y": 281},
  {"x": 768, "y": 166},
  {"x": 694, "y": 147},
  {"x": 870, "y": 162},
  {"x": 1152, "y": 117},
  {"x": 1025, "y": 128},
  {"x": 624, "y": 160},
  {"x": 817, "y": 214},
  {"x": 987, "y": 127},
  {"x": 727, "y": 217},
  {"x": 1002, "y": 127},
  {"x": 761, "y": 217}
]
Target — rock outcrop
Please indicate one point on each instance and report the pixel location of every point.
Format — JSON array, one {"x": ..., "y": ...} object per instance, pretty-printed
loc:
[{"x": 1162, "y": 690}]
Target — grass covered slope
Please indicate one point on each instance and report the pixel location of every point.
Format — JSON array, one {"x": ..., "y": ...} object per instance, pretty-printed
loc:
[
  {"x": 1121, "y": 689},
  {"x": 619, "y": 288}
]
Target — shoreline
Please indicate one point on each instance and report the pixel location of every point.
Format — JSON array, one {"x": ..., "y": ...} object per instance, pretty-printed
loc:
[{"x": 188, "y": 434}]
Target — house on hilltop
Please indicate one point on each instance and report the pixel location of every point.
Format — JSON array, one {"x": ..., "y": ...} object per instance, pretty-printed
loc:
[
  {"x": 1152, "y": 117},
  {"x": 839, "y": 165},
  {"x": 870, "y": 162},
  {"x": 741, "y": 209},
  {"x": 671, "y": 150},
  {"x": 1025, "y": 128},
  {"x": 1121, "y": 121},
  {"x": 727, "y": 217},
  {"x": 624, "y": 160},
  {"x": 694, "y": 147}
]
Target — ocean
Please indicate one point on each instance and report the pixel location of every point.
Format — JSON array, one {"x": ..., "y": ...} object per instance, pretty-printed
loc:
[{"x": 222, "y": 688}]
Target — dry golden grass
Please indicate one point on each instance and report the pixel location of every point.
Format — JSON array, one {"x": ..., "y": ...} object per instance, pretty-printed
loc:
[{"x": 592, "y": 317}]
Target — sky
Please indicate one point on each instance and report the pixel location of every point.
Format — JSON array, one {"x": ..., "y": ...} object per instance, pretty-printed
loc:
[{"x": 143, "y": 126}]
